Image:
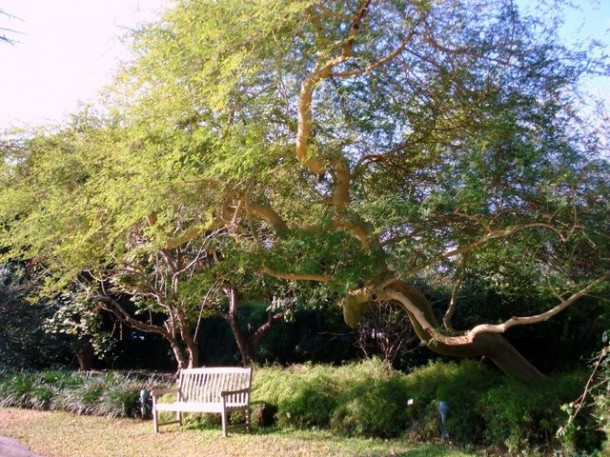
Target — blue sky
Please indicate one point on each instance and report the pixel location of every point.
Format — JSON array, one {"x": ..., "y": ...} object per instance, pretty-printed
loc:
[{"x": 69, "y": 49}]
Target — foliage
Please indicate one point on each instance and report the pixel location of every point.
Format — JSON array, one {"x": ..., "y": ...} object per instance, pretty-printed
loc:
[
  {"x": 462, "y": 387},
  {"x": 594, "y": 402},
  {"x": 519, "y": 417},
  {"x": 602, "y": 393},
  {"x": 357, "y": 145},
  {"x": 83, "y": 326},
  {"x": 356, "y": 399}
]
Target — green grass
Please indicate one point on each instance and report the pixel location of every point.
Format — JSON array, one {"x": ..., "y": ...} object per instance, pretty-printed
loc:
[{"x": 61, "y": 434}]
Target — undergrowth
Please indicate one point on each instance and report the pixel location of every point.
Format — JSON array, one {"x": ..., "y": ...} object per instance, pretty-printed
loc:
[{"x": 365, "y": 399}]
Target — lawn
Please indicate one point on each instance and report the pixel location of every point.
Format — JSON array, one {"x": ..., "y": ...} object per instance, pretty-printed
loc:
[{"x": 58, "y": 434}]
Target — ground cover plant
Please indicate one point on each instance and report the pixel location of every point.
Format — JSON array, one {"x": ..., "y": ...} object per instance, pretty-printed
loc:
[{"x": 109, "y": 394}]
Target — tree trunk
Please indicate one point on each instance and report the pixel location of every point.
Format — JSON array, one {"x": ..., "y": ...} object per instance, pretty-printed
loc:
[
  {"x": 246, "y": 350},
  {"x": 492, "y": 345},
  {"x": 248, "y": 343},
  {"x": 182, "y": 356},
  {"x": 192, "y": 354},
  {"x": 85, "y": 355},
  {"x": 418, "y": 308}
]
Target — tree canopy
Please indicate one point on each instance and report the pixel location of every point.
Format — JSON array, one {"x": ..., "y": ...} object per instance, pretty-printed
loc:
[{"x": 355, "y": 144}]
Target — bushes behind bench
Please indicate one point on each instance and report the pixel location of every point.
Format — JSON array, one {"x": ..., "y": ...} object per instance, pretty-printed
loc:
[{"x": 368, "y": 399}]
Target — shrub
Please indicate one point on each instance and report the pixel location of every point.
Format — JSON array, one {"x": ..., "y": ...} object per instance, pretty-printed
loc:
[
  {"x": 304, "y": 395},
  {"x": 16, "y": 389},
  {"x": 362, "y": 399},
  {"x": 373, "y": 408},
  {"x": 519, "y": 416},
  {"x": 461, "y": 385}
]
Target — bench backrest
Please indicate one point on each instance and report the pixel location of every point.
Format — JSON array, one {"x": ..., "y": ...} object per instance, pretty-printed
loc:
[{"x": 205, "y": 384}]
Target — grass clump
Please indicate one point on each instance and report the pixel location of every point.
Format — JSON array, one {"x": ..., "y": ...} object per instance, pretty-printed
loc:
[{"x": 101, "y": 394}]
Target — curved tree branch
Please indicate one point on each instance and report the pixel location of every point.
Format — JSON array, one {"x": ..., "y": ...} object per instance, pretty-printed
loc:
[
  {"x": 528, "y": 320},
  {"x": 453, "y": 302},
  {"x": 466, "y": 249},
  {"x": 304, "y": 106},
  {"x": 269, "y": 215}
]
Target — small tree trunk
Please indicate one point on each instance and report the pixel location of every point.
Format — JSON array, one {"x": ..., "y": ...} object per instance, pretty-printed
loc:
[
  {"x": 192, "y": 352},
  {"x": 246, "y": 351},
  {"x": 179, "y": 354},
  {"x": 85, "y": 355},
  {"x": 247, "y": 343}
]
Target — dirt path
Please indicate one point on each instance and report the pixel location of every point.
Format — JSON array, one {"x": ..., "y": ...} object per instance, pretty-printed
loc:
[{"x": 10, "y": 447}]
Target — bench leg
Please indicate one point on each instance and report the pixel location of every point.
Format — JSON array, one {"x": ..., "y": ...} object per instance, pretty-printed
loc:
[
  {"x": 224, "y": 423},
  {"x": 155, "y": 420},
  {"x": 248, "y": 418}
]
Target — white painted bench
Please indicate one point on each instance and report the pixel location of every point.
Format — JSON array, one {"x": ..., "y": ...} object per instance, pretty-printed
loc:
[{"x": 207, "y": 390}]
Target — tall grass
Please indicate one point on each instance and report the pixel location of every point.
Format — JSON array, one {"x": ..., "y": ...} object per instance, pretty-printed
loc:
[{"x": 108, "y": 394}]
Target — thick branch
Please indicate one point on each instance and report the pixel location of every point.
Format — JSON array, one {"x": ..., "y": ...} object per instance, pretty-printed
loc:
[
  {"x": 380, "y": 62},
  {"x": 269, "y": 215},
  {"x": 341, "y": 185},
  {"x": 528, "y": 320},
  {"x": 112, "y": 306},
  {"x": 492, "y": 345},
  {"x": 304, "y": 107},
  {"x": 356, "y": 230},
  {"x": 357, "y": 21},
  {"x": 428, "y": 326}
]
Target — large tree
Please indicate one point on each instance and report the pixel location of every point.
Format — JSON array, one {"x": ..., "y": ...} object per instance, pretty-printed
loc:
[{"x": 357, "y": 144}]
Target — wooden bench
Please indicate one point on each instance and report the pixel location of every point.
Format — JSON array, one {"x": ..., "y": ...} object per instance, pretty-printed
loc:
[{"x": 207, "y": 390}]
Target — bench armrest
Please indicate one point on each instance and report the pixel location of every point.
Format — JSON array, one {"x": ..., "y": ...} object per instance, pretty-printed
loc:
[{"x": 226, "y": 393}]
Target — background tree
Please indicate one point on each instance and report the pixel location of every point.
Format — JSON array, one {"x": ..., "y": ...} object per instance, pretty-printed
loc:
[
  {"x": 384, "y": 331},
  {"x": 23, "y": 341},
  {"x": 146, "y": 274}
]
